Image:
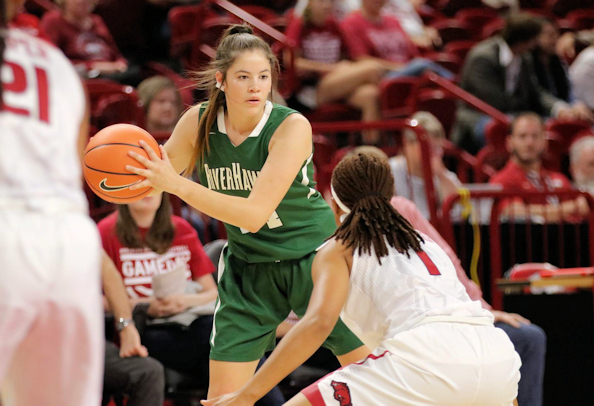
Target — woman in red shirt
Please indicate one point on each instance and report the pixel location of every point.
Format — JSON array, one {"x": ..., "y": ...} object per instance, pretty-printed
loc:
[
  {"x": 144, "y": 240},
  {"x": 327, "y": 76},
  {"x": 86, "y": 41}
]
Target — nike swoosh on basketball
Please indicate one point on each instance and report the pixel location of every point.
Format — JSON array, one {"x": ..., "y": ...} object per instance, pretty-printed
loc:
[{"x": 103, "y": 186}]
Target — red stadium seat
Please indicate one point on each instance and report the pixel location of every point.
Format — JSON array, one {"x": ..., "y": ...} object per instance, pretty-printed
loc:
[
  {"x": 430, "y": 15},
  {"x": 582, "y": 19},
  {"x": 566, "y": 131},
  {"x": 451, "y": 7},
  {"x": 185, "y": 27},
  {"x": 477, "y": 18},
  {"x": 453, "y": 30},
  {"x": 397, "y": 96},
  {"x": 260, "y": 12},
  {"x": 459, "y": 48},
  {"x": 493, "y": 28},
  {"x": 333, "y": 112},
  {"x": 439, "y": 103},
  {"x": 563, "y": 7},
  {"x": 111, "y": 102},
  {"x": 448, "y": 60}
]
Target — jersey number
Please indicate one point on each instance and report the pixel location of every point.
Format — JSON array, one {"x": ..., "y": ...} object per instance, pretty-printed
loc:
[
  {"x": 19, "y": 85},
  {"x": 273, "y": 222},
  {"x": 428, "y": 263}
]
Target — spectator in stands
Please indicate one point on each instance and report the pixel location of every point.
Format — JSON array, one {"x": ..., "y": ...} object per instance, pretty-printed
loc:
[
  {"x": 407, "y": 169},
  {"x": 582, "y": 75},
  {"x": 86, "y": 41},
  {"x": 551, "y": 71},
  {"x": 528, "y": 339},
  {"x": 524, "y": 172},
  {"x": 326, "y": 75},
  {"x": 404, "y": 10},
  {"x": 144, "y": 240},
  {"x": 380, "y": 37},
  {"x": 128, "y": 369},
  {"x": 162, "y": 104},
  {"x": 581, "y": 160},
  {"x": 500, "y": 72}
]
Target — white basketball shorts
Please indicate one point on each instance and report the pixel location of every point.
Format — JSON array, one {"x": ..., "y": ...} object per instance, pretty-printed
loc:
[
  {"x": 51, "y": 316},
  {"x": 440, "y": 364}
]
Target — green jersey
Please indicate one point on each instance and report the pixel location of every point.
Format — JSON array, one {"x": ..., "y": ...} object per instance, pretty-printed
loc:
[{"x": 302, "y": 220}]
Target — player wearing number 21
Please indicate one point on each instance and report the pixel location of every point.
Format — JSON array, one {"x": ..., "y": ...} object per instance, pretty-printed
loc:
[
  {"x": 51, "y": 317},
  {"x": 254, "y": 160},
  {"x": 399, "y": 292}
]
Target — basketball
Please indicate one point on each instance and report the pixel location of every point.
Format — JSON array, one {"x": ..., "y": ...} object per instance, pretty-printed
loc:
[{"x": 105, "y": 160}]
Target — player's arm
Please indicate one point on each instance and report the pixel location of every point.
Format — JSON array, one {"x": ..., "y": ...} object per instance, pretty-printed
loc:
[
  {"x": 83, "y": 132},
  {"x": 290, "y": 147},
  {"x": 330, "y": 274},
  {"x": 182, "y": 141}
]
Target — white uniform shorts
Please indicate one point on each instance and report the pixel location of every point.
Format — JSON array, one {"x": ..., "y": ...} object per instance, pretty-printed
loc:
[
  {"x": 441, "y": 363},
  {"x": 51, "y": 316}
]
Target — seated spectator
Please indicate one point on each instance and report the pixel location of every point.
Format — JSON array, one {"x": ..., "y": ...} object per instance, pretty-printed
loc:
[
  {"x": 326, "y": 75},
  {"x": 407, "y": 169},
  {"x": 581, "y": 73},
  {"x": 551, "y": 71},
  {"x": 500, "y": 72},
  {"x": 581, "y": 161},
  {"x": 528, "y": 339},
  {"x": 162, "y": 104},
  {"x": 144, "y": 240},
  {"x": 524, "y": 172},
  {"x": 380, "y": 37},
  {"x": 86, "y": 41},
  {"x": 128, "y": 369},
  {"x": 404, "y": 10}
]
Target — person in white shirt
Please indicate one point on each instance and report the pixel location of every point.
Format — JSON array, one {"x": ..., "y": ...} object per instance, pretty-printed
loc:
[
  {"x": 581, "y": 163},
  {"x": 581, "y": 74},
  {"x": 398, "y": 291}
]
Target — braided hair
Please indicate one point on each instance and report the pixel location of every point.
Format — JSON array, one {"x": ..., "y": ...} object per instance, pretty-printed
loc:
[{"x": 364, "y": 184}]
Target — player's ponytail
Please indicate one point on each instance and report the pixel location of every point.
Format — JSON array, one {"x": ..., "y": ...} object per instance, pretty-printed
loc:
[
  {"x": 235, "y": 40},
  {"x": 2, "y": 39},
  {"x": 363, "y": 185}
]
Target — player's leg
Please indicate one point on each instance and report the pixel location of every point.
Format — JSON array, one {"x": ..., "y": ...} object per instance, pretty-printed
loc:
[
  {"x": 249, "y": 308},
  {"x": 226, "y": 377},
  {"x": 17, "y": 311},
  {"x": 342, "y": 341},
  {"x": 63, "y": 351}
]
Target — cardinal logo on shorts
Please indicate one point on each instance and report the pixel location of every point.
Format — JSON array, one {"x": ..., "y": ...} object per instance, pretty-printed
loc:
[{"x": 342, "y": 393}]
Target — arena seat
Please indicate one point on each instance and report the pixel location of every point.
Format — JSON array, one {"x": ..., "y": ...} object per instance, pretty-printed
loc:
[
  {"x": 453, "y": 30},
  {"x": 397, "y": 96}
]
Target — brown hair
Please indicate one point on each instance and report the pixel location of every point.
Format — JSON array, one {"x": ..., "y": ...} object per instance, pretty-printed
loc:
[
  {"x": 149, "y": 88},
  {"x": 521, "y": 27},
  {"x": 365, "y": 185},
  {"x": 235, "y": 40},
  {"x": 159, "y": 236}
]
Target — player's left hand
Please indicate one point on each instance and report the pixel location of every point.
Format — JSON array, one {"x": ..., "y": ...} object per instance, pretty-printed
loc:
[
  {"x": 513, "y": 319},
  {"x": 231, "y": 399},
  {"x": 159, "y": 172}
]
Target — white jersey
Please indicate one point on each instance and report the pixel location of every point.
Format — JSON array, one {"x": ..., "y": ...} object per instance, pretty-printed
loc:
[
  {"x": 40, "y": 122},
  {"x": 403, "y": 292}
]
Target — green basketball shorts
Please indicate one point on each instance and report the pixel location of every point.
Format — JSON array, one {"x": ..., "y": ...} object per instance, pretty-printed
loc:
[{"x": 255, "y": 298}]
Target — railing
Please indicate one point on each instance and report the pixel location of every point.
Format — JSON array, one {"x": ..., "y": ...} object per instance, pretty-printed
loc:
[{"x": 526, "y": 237}]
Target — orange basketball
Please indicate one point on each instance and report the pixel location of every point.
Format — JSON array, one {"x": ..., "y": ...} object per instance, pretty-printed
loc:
[{"x": 105, "y": 160}]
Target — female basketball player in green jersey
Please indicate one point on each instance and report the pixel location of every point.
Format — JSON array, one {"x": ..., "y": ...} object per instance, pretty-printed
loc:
[{"x": 253, "y": 158}]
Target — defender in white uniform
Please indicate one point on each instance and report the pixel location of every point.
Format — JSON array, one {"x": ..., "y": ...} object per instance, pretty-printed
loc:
[
  {"x": 399, "y": 293},
  {"x": 51, "y": 320}
]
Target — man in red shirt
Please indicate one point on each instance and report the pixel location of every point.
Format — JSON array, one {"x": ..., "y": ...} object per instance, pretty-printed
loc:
[{"x": 524, "y": 172}]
